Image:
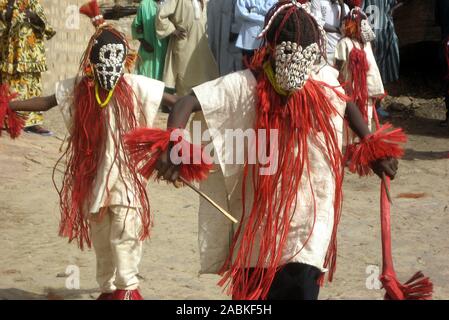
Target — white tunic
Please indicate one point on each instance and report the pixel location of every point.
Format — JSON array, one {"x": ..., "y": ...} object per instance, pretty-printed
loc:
[
  {"x": 149, "y": 92},
  {"x": 230, "y": 103}
]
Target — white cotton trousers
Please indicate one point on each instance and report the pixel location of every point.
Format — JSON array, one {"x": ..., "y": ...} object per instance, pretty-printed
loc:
[{"x": 118, "y": 249}]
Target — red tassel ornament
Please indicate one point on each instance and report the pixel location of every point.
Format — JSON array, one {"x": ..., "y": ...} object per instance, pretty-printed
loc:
[
  {"x": 418, "y": 287},
  {"x": 146, "y": 145},
  {"x": 354, "y": 3},
  {"x": 382, "y": 144},
  {"x": 358, "y": 90},
  {"x": 92, "y": 10},
  {"x": 9, "y": 119}
]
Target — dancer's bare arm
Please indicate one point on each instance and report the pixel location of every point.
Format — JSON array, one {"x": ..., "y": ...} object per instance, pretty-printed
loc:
[
  {"x": 169, "y": 100},
  {"x": 179, "y": 116},
  {"x": 358, "y": 125},
  {"x": 34, "y": 104}
]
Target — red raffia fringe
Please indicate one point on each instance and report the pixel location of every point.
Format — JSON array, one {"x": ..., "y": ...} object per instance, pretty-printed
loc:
[
  {"x": 8, "y": 118},
  {"x": 146, "y": 145},
  {"x": 304, "y": 114},
  {"x": 354, "y": 3},
  {"x": 358, "y": 67},
  {"x": 92, "y": 10},
  {"x": 418, "y": 287},
  {"x": 85, "y": 153},
  {"x": 86, "y": 146},
  {"x": 384, "y": 143}
]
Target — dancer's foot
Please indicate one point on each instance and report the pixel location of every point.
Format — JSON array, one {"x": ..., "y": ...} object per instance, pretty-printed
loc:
[
  {"x": 105, "y": 296},
  {"x": 38, "y": 130},
  {"x": 127, "y": 295}
]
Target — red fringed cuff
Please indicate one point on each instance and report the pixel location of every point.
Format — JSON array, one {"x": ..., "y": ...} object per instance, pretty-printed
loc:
[
  {"x": 146, "y": 145},
  {"x": 382, "y": 144},
  {"x": 8, "y": 118}
]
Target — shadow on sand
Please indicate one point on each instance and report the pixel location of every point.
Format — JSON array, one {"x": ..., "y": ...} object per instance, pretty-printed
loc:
[{"x": 50, "y": 294}]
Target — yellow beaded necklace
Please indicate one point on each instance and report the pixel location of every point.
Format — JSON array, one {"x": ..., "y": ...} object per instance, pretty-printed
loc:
[
  {"x": 268, "y": 69},
  {"x": 97, "y": 96}
]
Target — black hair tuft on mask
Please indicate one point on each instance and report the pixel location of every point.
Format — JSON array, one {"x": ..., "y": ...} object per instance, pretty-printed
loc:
[{"x": 104, "y": 38}]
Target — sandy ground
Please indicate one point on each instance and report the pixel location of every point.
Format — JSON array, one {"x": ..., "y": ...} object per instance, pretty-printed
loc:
[{"x": 34, "y": 259}]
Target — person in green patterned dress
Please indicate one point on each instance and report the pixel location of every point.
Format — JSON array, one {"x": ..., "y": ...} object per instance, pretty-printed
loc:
[
  {"x": 152, "y": 50},
  {"x": 23, "y": 28}
]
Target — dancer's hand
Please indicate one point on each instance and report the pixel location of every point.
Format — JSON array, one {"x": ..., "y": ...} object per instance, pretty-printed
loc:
[
  {"x": 388, "y": 166},
  {"x": 166, "y": 169}
]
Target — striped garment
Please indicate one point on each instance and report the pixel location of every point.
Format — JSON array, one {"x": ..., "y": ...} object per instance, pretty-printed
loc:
[{"x": 387, "y": 43}]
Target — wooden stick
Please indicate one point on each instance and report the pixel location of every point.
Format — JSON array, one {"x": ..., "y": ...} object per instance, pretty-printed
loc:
[
  {"x": 387, "y": 191},
  {"x": 212, "y": 202}
]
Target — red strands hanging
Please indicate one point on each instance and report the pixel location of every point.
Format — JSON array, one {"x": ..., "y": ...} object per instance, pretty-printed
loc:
[
  {"x": 358, "y": 67},
  {"x": 85, "y": 152},
  {"x": 354, "y": 3},
  {"x": 418, "y": 287},
  {"x": 8, "y": 118},
  {"x": 146, "y": 145},
  {"x": 297, "y": 117},
  {"x": 382, "y": 144},
  {"x": 306, "y": 113},
  {"x": 86, "y": 145}
]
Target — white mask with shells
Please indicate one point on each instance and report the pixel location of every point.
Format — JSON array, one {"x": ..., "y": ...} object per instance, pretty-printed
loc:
[{"x": 294, "y": 64}]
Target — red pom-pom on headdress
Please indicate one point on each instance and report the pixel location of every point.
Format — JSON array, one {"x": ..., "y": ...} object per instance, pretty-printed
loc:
[
  {"x": 92, "y": 10},
  {"x": 354, "y": 3}
]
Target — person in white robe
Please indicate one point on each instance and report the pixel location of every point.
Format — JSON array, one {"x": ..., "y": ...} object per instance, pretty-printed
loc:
[
  {"x": 222, "y": 30},
  {"x": 112, "y": 214},
  {"x": 189, "y": 60},
  {"x": 230, "y": 105}
]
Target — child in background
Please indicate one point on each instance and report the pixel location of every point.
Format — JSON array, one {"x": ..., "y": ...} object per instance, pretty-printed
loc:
[
  {"x": 355, "y": 60},
  {"x": 152, "y": 50}
]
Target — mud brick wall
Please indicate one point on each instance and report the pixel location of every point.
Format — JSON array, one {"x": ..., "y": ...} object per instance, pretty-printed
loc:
[
  {"x": 415, "y": 22},
  {"x": 64, "y": 50}
]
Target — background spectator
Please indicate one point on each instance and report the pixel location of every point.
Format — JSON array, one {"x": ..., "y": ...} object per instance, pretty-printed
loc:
[
  {"x": 251, "y": 15},
  {"x": 23, "y": 28},
  {"x": 152, "y": 50},
  {"x": 386, "y": 44},
  {"x": 189, "y": 60},
  {"x": 329, "y": 14},
  {"x": 223, "y": 30}
]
